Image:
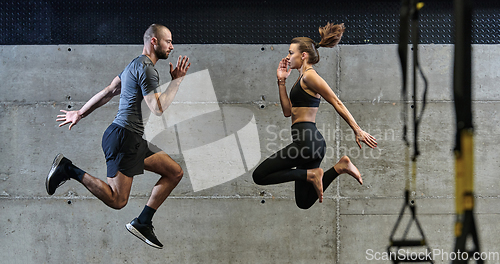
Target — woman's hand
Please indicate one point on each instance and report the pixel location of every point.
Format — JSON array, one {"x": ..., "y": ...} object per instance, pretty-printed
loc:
[
  {"x": 72, "y": 117},
  {"x": 362, "y": 136},
  {"x": 283, "y": 72}
]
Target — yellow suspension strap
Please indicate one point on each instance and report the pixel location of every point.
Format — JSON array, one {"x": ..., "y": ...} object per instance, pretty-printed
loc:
[
  {"x": 465, "y": 226},
  {"x": 409, "y": 12},
  {"x": 464, "y": 179}
]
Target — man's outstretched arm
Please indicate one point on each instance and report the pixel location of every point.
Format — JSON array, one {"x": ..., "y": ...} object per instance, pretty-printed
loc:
[{"x": 98, "y": 100}]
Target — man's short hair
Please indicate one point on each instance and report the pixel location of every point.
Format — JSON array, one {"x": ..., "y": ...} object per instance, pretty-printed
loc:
[{"x": 155, "y": 30}]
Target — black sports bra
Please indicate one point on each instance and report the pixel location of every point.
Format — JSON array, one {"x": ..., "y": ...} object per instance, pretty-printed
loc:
[{"x": 300, "y": 98}]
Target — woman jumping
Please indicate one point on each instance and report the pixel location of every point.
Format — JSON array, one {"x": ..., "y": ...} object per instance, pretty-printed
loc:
[{"x": 300, "y": 160}]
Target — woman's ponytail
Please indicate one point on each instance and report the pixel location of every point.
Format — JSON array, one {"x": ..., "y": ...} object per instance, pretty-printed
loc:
[{"x": 331, "y": 34}]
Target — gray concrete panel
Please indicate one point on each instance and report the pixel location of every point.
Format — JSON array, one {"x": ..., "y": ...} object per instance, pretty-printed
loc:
[
  {"x": 373, "y": 73},
  {"x": 52, "y": 73},
  {"x": 42, "y": 136},
  {"x": 366, "y": 225},
  {"x": 485, "y": 77},
  {"x": 240, "y": 73},
  {"x": 382, "y": 168},
  {"x": 192, "y": 230},
  {"x": 435, "y": 170},
  {"x": 369, "y": 73},
  {"x": 236, "y": 221},
  {"x": 486, "y": 145}
]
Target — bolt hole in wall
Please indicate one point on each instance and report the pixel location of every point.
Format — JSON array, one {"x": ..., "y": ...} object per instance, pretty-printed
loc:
[{"x": 69, "y": 49}]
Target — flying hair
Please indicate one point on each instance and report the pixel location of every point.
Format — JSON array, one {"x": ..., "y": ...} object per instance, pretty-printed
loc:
[
  {"x": 331, "y": 34},
  {"x": 330, "y": 37}
]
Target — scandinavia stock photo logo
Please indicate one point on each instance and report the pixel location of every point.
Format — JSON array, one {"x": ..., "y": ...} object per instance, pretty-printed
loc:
[{"x": 218, "y": 144}]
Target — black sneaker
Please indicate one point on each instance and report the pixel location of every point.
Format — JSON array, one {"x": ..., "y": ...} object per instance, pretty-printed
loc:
[
  {"x": 144, "y": 232},
  {"x": 57, "y": 174}
]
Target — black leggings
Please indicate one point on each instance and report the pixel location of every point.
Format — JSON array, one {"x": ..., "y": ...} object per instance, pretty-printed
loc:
[{"x": 292, "y": 162}]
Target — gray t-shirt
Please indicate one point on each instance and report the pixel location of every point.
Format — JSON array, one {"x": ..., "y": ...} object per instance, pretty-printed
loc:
[{"x": 138, "y": 79}]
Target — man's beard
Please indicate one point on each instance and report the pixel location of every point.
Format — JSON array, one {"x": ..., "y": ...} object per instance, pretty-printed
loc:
[{"x": 163, "y": 55}]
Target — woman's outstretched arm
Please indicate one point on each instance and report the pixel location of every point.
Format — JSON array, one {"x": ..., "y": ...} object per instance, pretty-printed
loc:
[{"x": 314, "y": 82}]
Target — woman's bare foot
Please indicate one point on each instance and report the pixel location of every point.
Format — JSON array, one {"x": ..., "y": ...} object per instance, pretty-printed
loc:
[
  {"x": 315, "y": 176},
  {"x": 345, "y": 166}
]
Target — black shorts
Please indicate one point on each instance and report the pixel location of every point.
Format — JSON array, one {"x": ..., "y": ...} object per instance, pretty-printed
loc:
[{"x": 125, "y": 151}]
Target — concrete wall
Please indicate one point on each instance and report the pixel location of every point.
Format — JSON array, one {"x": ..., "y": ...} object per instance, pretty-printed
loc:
[{"x": 237, "y": 221}]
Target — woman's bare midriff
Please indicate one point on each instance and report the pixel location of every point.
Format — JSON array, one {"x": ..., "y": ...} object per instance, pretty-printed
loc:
[{"x": 304, "y": 114}]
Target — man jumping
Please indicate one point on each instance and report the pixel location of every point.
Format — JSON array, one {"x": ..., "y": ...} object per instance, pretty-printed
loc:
[{"x": 127, "y": 153}]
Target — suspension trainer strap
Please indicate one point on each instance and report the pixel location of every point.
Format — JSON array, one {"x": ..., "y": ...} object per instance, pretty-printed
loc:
[{"x": 465, "y": 225}]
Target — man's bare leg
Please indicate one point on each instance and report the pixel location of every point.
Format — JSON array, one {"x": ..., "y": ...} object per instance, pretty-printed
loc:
[
  {"x": 114, "y": 194},
  {"x": 171, "y": 173}
]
